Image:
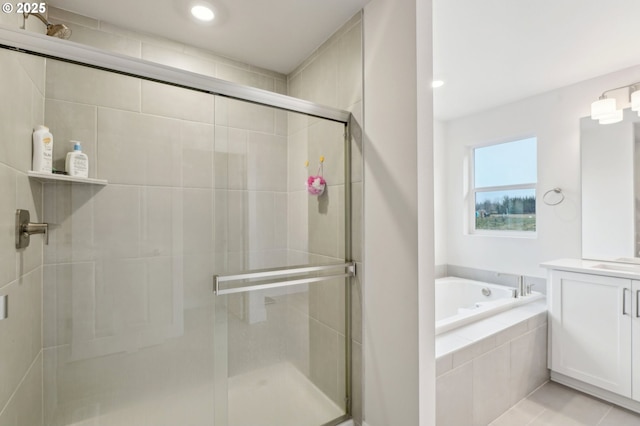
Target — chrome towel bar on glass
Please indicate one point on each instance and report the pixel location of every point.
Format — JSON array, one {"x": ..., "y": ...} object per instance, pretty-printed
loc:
[{"x": 344, "y": 270}]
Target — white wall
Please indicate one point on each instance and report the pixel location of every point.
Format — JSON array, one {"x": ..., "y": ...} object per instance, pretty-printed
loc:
[
  {"x": 397, "y": 55},
  {"x": 440, "y": 192},
  {"x": 553, "y": 118}
]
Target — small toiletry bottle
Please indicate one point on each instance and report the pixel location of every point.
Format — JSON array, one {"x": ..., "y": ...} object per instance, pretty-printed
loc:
[
  {"x": 77, "y": 163},
  {"x": 42, "y": 150}
]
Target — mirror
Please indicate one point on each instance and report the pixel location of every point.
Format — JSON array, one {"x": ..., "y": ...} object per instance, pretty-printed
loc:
[{"x": 610, "y": 158}]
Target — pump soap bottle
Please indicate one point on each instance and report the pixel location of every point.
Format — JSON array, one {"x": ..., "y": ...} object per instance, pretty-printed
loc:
[
  {"x": 42, "y": 150},
  {"x": 77, "y": 163}
]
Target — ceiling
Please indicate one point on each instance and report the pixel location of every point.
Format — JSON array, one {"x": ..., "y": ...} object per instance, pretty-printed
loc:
[
  {"x": 272, "y": 34},
  {"x": 489, "y": 52},
  {"x": 493, "y": 52}
]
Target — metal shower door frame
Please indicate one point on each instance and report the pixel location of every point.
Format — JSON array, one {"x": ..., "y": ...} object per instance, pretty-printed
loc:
[{"x": 68, "y": 51}]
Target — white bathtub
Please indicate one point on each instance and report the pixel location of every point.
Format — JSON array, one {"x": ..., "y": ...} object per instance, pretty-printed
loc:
[{"x": 460, "y": 301}]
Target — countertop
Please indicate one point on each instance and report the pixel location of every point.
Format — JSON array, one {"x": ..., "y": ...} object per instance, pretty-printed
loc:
[{"x": 595, "y": 267}]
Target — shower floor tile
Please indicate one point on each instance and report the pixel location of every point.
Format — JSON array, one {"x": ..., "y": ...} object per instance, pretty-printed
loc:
[{"x": 278, "y": 395}]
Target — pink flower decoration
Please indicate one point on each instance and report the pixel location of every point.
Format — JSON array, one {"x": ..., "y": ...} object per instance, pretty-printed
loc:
[{"x": 316, "y": 185}]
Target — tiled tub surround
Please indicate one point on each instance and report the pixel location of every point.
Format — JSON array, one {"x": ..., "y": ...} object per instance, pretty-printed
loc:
[{"x": 486, "y": 367}]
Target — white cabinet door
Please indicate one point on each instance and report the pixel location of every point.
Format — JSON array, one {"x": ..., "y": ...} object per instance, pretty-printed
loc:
[
  {"x": 635, "y": 327},
  {"x": 591, "y": 329}
]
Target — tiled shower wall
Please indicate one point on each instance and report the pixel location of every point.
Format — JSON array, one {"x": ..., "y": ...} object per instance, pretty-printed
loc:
[
  {"x": 22, "y": 89},
  {"x": 128, "y": 271},
  {"x": 332, "y": 75}
]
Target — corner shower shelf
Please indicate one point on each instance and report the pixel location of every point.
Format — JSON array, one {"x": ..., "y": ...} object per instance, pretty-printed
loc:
[{"x": 51, "y": 177}]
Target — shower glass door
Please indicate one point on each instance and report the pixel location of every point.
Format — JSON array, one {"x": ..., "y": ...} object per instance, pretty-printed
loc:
[
  {"x": 198, "y": 185},
  {"x": 281, "y": 347}
]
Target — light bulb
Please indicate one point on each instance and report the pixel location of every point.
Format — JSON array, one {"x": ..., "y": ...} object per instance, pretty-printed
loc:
[
  {"x": 614, "y": 117},
  {"x": 203, "y": 13},
  {"x": 603, "y": 108},
  {"x": 635, "y": 100}
]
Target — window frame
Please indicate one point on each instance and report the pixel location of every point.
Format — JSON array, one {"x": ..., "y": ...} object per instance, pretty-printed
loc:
[{"x": 473, "y": 190}]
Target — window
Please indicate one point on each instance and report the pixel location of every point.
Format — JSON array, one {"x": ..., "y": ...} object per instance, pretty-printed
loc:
[{"x": 503, "y": 188}]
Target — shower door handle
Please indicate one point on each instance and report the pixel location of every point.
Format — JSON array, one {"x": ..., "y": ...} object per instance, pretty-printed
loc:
[{"x": 287, "y": 277}]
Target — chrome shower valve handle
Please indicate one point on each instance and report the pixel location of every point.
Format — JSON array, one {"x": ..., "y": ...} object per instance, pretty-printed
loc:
[{"x": 24, "y": 229}]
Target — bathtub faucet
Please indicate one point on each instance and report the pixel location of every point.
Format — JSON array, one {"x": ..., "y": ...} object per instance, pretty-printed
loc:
[{"x": 522, "y": 289}]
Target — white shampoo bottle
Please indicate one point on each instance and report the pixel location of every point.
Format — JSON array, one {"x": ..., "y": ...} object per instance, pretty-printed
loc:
[
  {"x": 77, "y": 163},
  {"x": 42, "y": 150}
]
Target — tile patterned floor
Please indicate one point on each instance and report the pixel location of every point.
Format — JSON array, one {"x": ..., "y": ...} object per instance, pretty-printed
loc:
[{"x": 556, "y": 405}]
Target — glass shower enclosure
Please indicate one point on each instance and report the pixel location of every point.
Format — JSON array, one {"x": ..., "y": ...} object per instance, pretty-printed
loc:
[{"x": 193, "y": 279}]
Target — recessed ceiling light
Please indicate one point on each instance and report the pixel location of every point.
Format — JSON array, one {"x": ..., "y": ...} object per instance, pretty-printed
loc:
[
  {"x": 202, "y": 13},
  {"x": 437, "y": 83}
]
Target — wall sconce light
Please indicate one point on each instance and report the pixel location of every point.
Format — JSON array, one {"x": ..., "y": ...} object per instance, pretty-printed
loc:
[{"x": 604, "y": 109}]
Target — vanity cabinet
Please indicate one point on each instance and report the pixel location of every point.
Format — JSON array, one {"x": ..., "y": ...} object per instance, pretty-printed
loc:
[
  {"x": 591, "y": 329},
  {"x": 594, "y": 328}
]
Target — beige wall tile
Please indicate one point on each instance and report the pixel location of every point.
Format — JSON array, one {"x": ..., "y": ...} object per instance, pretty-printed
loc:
[
  {"x": 320, "y": 77},
  {"x": 324, "y": 357},
  {"x": 231, "y": 158},
  {"x": 326, "y": 138},
  {"x": 237, "y": 222},
  {"x": 491, "y": 393},
  {"x": 73, "y": 83},
  {"x": 331, "y": 310},
  {"x": 297, "y": 332},
  {"x": 68, "y": 209},
  {"x": 197, "y": 154},
  {"x": 8, "y": 256},
  {"x": 104, "y": 40},
  {"x": 356, "y": 221},
  {"x": 298, "y": 221},
  {"x": 23, "y": 329},
  {"x": 298, "y": 155},
  {"x": 221, "y": 228},
  {"x": 71, "y": 121},
  {"x": 66, "y": 16},
  {"x": 356, "y": 143},
  {"x": 221, "y": 157},
  {"x": 59, "y": 298},
  {"x": 160, "y": 227},
  {"x": 357, "y": 386},
  {"x": 29, "y": 197},
  {"x": 324, "y": 221},
  {"x": 349, "y": 74},
  {"x": 244, "y": 115},
  {"x": 117, "y": 222},
  {"x": 35, "y": 69},
  {"x": 356, "y": 304},
  {"x": 261, "y": 220},
  {"x": 198, "y": 273},
  {"x": 173, "y": 56},
  {"x": 245, "y": 77},
  {"x": 139, "y": 149},
  {"x": 25, "y": 407},
  {"x": 528, "y": 363},
  {"x": 266, "y": 162},
  {"x": 16, "y": 126},
  {"x": 176, "y": 102},
  {"x": 281, "y": 220},
  {"x": 198, "y": 221},
  {"x": 454, "y": 396}
]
